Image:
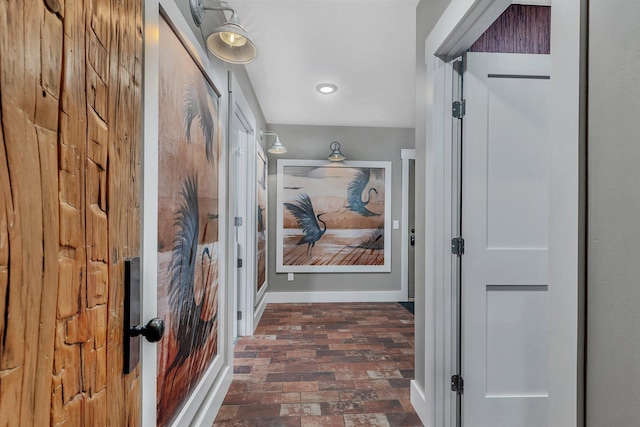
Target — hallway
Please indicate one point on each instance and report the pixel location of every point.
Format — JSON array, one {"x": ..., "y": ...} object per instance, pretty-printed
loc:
[{"x": 308, "y": 365}]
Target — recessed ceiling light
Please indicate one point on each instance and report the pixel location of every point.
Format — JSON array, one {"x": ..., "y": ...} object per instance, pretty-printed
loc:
[{"x": 326, "y": 88}]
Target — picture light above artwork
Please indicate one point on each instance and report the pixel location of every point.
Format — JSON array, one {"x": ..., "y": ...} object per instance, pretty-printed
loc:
[{"x": 336, "y": 155}]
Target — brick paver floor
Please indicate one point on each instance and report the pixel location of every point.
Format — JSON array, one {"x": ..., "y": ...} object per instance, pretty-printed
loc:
[{"x": 324, "y": 365}]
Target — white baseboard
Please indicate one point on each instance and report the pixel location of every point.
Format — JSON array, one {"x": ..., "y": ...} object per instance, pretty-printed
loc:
[
  {"x": 259, "y": 310},
  {"x": 214, "y": 399},
  {"x": 419, "y": 403},
  {"x": 369, "y": 296}
]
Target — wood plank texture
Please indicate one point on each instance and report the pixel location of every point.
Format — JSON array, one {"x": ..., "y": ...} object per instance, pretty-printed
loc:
[
  {"x": 70, "y": 111},
  {"x": 520, "y": 29}
]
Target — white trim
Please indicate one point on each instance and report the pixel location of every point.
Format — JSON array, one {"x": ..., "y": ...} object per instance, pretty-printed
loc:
[
  {"x": 196, "y": 399},
  {"x": 406, "y": 154},
  {"x": 259, "y": 310},
  {"x": 214, "y": 399},
  {"x": 149, "y": 208},
  {"x": 460, "y": 25},
  {"x": 302, "y": 297},
  {"x": 567, "y": 212},
  {"x": 419, "y": 403},
  {"x": 532, "y": 2}
]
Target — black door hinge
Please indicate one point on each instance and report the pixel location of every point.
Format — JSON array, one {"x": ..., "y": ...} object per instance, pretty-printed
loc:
[
  {"x": 457, "y": 246},
  {"x": 459, "y": 109},
  {"x": 239, "y": 315},
  {"x": 457, "y": 384}
]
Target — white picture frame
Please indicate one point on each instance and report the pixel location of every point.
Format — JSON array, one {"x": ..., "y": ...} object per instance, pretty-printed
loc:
[{"x": 353, "y": 203}]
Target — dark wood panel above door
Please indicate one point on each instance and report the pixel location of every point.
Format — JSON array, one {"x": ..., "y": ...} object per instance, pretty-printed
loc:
[{"x": 520, "y": 29}]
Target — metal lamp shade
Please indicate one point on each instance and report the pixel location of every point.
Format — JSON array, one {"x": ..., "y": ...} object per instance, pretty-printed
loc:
[
  {"x": 240, "y": 53},
  {"x": 336, "y": 154},
  {"x": 277, "y": 147}
]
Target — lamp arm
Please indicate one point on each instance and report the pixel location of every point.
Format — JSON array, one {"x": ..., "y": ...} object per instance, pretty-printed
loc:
[
  {"x": 219, "y": 8},
  {"x": 198, "y": 10},
  {"x": 223, "y": 6}
]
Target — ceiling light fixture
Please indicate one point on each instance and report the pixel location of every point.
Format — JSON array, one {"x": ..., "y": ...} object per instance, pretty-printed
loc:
[
  {"x": 229, "y": 42},
  {"x": 326, "y": 88},
  {"x": 276, "y": 147},
  {"x": 336, "y": 154}
]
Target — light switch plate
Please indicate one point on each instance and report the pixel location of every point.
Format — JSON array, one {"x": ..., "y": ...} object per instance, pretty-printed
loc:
[
  {"x": 290, "y": 277},
  {"x": 396, "y": 224}
]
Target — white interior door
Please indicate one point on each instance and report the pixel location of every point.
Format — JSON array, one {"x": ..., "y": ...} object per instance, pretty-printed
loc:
[
  {"x": 241, "y": 140},
  {"x": 238, "y": 204},
  {"x": 505, "y": 204}
]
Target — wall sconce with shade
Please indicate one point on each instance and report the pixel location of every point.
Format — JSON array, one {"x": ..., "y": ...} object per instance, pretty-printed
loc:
[
  {"x": 276, "y": 147},
  {"x": 229, "y": 42},
  {"x": 336, "y": 154}
]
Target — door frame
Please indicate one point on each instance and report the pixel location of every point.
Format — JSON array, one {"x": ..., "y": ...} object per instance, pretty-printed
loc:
[
  {"x": 238, "y": 105},
  {"x": 460, "y": 25},
  {"x": 406, "y": 154}
]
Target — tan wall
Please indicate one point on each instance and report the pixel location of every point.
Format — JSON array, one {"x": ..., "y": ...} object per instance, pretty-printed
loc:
[{"x": 70, "y": 76}]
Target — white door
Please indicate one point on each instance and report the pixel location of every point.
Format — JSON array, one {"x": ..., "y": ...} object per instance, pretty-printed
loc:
[
  {"x": 505, "y": 203},
  {"x": 241, "y": 141},
  {"x": 238, "y": 184}
]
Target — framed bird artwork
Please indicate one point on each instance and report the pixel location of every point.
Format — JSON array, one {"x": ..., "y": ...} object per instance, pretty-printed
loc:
[
  {"x": 189, "y": 202},
  {"x": 333, "y": 217},
  {"x": 262, "y": 222}
]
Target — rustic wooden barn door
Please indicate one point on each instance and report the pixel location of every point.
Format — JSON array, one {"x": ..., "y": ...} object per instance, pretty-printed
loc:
[{"x": 70, "y": 111}]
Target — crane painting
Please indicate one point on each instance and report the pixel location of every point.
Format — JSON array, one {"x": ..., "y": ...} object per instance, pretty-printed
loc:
[
  {"x": 308, "y": 221},
  {"x": 355, "y": 191},
  {"x": 261, "y": 238},
  {"x": 188, "y": 208},
  {"x": 333, "y": 217}
]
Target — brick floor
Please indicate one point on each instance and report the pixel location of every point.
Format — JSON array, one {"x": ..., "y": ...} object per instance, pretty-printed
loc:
[{"x": 324, "y": 365}]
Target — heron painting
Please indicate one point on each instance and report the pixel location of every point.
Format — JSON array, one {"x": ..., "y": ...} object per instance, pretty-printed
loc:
[
  {"x": 308, "y": 221},
  {"x": 261, "y": 238},
  {"x": 355, "y": 191},
  {"x": 188, "y": 208},
  {"x": 333, "y": 218}
]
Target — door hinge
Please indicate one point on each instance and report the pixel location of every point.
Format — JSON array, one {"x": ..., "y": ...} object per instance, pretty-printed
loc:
[
  {"x": 239, "y": 315},
  {"x": 459, "y": 108},
  {"x": 239, "y": 262},
  {"x": 457, "y": 246},
  {"x": 237, "y": 221},
  {"x": 457, "y": 384}
]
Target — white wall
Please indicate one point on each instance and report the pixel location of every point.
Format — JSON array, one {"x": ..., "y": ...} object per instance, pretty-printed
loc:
[
  {"x": 358, "y": 144},
  {"x": 613, "y": 273}
]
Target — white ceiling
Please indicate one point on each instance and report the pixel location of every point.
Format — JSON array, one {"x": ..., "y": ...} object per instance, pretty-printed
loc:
[{"x": 365, "y": 47}]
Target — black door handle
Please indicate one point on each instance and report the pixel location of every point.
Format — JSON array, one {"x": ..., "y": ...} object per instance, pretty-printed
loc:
[{"x": 152, "y": 331}]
